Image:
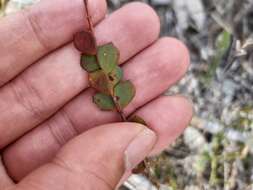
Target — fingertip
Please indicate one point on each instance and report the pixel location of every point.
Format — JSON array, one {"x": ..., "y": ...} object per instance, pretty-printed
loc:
[
  {"x": 98, "y": 10},
  {"x": 187, "y": 103},
  {"x": 148, "y": 15},
  {"x": 182, "y": 109},
  {"x": 169, "y": 117},
  {"x": 176, "y": 51}
]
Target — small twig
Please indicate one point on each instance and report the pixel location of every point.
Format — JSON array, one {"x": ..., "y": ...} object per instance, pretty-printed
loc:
[{"x": 218, "y": 19}]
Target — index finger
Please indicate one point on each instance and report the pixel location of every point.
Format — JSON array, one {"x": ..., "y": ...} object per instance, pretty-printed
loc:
[{"x": 30, "y": 34}]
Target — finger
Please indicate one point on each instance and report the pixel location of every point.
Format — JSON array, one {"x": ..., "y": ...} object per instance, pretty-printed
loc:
[
  {"x": 174, "y": 115},
  {"x": 167, "y": 122},
  {"x": 81, "y": 114},
  {"x": 48, "y": 85},
  {"x": 5, "y": 180},
  {"x": 30, "y": 34},
  {"x": 96, "y": 159},
  {"x": 168, "y": 117}
]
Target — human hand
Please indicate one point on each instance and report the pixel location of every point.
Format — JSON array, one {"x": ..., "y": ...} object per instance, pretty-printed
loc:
[{"x": 49, "y": 134}]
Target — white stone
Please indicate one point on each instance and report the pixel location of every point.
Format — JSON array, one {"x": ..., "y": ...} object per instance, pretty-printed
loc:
[{"x": 194, "y": 139}]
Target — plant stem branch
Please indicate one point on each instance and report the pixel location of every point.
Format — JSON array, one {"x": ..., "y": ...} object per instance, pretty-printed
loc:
[
  {"x": 121, "y": 113},
  {"x": 91, "y": 28}
]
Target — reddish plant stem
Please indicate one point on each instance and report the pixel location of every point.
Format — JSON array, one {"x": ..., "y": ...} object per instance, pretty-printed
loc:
[
  {"x": 119, "y": 110},
  {"x": 122, "y": 115},
  {"x": 91, "y": 29}
]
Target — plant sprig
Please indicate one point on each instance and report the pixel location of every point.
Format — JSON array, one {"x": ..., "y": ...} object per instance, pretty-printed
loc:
[
  {"x": 104, "y": 73},
  {"x": 106, "y": 77}
]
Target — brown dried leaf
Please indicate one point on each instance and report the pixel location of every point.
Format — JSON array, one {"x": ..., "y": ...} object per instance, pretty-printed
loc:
[
  {"x": 140, "y": 168},
  {"x": 98, "y": 81}
]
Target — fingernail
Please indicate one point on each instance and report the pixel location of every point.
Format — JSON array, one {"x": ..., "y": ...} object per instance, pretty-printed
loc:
[{"x": 139, "y": 148}]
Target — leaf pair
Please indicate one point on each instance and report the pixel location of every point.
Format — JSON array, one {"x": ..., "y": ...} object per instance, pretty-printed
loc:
[
  {"x": 123, "y": 95},
  {"x": 107, "y": 55}
]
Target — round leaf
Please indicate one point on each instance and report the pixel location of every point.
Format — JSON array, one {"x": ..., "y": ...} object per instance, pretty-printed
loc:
[
  {"x": 98, "y": 80},
  {"x": 124, "y": 93},
  {"x": 108, "y": 56},
  {"x": 104, "y": 102},
  {"x": 89, "y": 63},
  {"x": 85, "y": 42}
]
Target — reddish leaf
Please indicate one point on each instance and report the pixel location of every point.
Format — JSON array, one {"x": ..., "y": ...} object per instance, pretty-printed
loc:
[{"x": 85, "y": 42}]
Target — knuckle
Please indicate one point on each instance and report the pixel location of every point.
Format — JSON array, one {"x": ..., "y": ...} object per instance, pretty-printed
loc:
[
  {"x": 33, "y": 20},
  {"x": 93, "y": 178},
  {"x": 28, "y": 97},
  {"x": 143, "y": 16},
  {"x": 62, "y": 127}
]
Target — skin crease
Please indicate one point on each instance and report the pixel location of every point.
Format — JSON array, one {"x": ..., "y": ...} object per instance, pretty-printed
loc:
[{"x": 49, "y": 143}]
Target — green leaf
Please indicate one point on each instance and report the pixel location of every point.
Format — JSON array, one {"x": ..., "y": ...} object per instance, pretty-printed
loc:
[
  {"x": 137, "y": 119},
  {"x": 104, "y": 102},
  {"x": 223, "y": 42},
  {"x": 98, "y": 81},
  {"x": 108, "y": 56},
  {"x": 114, "y": 78},
  {"x": 89, "y": 63},
  {"x": 124, "y": 93}
]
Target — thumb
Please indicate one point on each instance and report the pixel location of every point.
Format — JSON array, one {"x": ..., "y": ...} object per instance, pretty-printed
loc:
[{"x": 96, "y": 159}]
